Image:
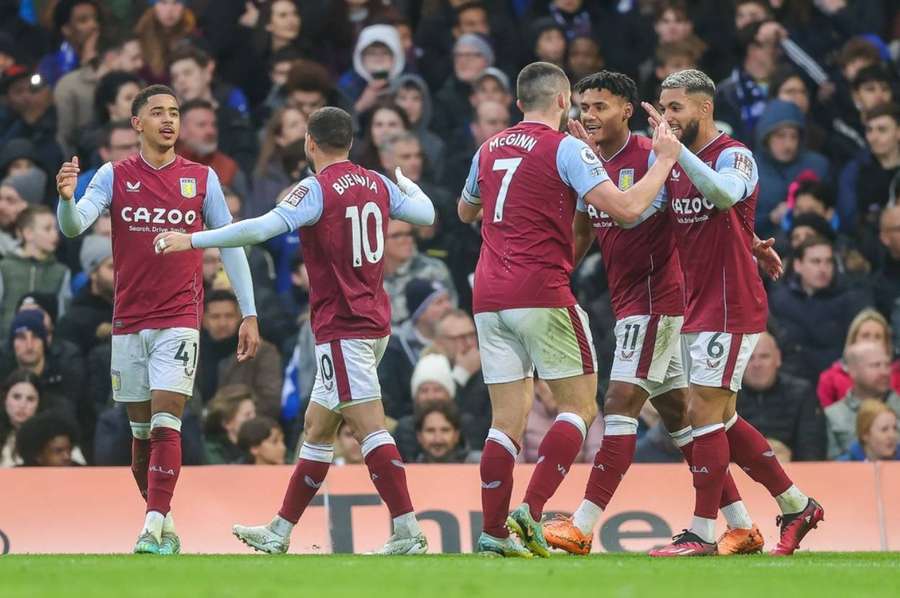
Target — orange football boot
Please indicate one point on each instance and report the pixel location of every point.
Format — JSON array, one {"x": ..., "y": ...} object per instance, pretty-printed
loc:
[
  {"x": 561, "y": 533},
  {"x": 741, "y": 541}
]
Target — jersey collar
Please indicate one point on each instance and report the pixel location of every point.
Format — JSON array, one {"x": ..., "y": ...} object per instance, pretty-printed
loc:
[
  {"x": 618, "y": 151},
  {"x": 711, "y": 141},
  {"x": 169, "y": 163},
  {"x": 333, "y": 164}
]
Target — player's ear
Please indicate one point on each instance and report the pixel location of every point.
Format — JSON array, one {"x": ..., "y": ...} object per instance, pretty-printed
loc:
[
  {"x": 520, "y": 106},
  {"x": 136, "y": 124},
  {"x": 629, "y": 110}
]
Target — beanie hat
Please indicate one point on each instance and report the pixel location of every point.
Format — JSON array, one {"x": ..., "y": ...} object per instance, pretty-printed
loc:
[
  {"x": 28, "y": 319},
  {"x": 433, "y": 368},
  {"x": 477, "y": 43},
  {"x": 496, "y": 74},
  {"x": 30, "y": 185},
  {"x": 420, "y": 293},
  {"x": 95, "y": 249}
]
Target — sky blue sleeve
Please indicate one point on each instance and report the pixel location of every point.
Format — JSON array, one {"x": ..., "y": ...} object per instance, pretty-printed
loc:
[
  {"x": 74, "y": 218},
  {"x": 579, "y": 167},
  {"x": 303, "y": 205},
  {"x": 659, "y": 203},
  {"x": 215, "y": 210},
  {"x": 739, "y": 161},
  {"x": 471, "y": 194},
  {"x": 415, "y": 209}
]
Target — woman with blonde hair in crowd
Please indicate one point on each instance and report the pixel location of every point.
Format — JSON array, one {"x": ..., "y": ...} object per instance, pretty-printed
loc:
[
  {"x": 225, "y": 414},
  {"x": 160, "y": 29},
  {"x": 868, "y": 325},
  {"x": 876, "y": 434}
]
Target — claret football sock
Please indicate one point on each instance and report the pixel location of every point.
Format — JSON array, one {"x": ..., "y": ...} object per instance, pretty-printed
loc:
[
  {"x": 308, "y": 476},
  {"x": 497, "y": 462},
  {"x": 387, "y": 472},
  {"x": 731, "y": 505},
  {"x": 165, "y": 461},
  {"x": 751, "y": 451},
  {"x": 610, "y": 465},
  {"x": 558, "y": 450},
  {"x": 710, "y": 464}
]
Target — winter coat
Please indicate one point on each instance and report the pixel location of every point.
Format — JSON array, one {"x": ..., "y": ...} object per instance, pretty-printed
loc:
[
  {"x": 21, "y": 275},
  {"x": 841, "y": 420},
  {"x": 789, "y": 412},
  {"x": 835, "y": 382}
]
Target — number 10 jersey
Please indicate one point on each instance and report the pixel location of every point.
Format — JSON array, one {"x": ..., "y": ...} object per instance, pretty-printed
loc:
[{"x": 344, "y": 211}]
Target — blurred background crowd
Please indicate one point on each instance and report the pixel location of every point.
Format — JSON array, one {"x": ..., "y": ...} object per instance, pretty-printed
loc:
[{"x": 809, "y": 85}]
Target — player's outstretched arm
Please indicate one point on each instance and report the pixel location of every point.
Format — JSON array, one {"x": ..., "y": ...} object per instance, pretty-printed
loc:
[
  {"x": 626, "y": 207},
  {"x": 411, "y": 204},
  {"x": 75, "y": 218},
  {"x": 468, "y": 208},
  {"x": 239, "y": 234}
]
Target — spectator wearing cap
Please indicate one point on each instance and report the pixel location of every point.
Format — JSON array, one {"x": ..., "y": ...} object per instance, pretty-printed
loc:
[
  {"x": 411, "y": 93},
  {"x": 472, "y": 53},
  {"x": 62, "y": 381},
  {"x": 73, "y": 95},
  {"x": 77, "y": 24},
  {"x": 432, "y": 381},
  {"x": 865, "y": 182},
  {"x": 17, "y": 192},
  {"x": 18, "y": 155},
  {"x": 30, "y": 114},
  {"x": 813, "y": 308},
  {"x": 378, "y": 60},
  {"x": 869, "y": 367},
  {"x": 781, "y": 158},
  {"x": 428, "y": 301},
  {"x": 439, "y": 435},
  {"x": 89, "y": 319},
  {"x": 33, "y": 268},
  {"x": 781, "y": 406}
]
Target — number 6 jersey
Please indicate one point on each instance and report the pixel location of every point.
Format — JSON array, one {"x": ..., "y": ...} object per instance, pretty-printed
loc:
[
  {"x": 344, "y": 212},
  {"x": 528, "y": 180}
]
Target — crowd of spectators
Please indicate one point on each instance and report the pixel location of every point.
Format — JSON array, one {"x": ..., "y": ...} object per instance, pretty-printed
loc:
[{"x": 809, "y": 85}]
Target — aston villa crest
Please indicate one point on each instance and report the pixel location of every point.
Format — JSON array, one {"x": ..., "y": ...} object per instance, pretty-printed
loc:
[{"x": 188, "y": 188}]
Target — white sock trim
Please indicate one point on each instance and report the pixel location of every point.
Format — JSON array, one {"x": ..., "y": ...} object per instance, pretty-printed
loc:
[
  {"x": 587, "y": 515},
  {"x": 704, "y": 430},
  {"x": 503, "y": 440},
  {"x": 140, "y": 430},
  {"x": 705, "y": 528},
  {"x": 682, "y": 437},
  {"x": 619, "y": 425},
  {"x": 737, "y": 515},
  {"x": 731, "y": 421},
  {"x": 323, "y": 453},
  {"x": 575, "y": 420},
  {"x": 374, "y": 440},
  {"x": 165, "y": 420}
]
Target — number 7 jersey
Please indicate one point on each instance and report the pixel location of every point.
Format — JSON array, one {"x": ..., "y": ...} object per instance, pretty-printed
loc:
[
  {"x": 344, "y": 211},
  {"x": 528, "y": 180}
]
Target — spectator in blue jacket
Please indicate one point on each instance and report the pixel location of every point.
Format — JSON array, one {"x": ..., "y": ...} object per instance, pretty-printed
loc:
[
  {"x": 781, "y": 158},
  {"x": 876, "y": 432}
]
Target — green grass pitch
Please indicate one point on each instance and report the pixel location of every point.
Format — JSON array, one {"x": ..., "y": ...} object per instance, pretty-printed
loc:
[{"x": 468, "y": 576}]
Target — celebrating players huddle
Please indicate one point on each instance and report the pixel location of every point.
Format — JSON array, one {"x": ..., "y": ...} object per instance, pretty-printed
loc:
[{"x": 673, "y": 216}]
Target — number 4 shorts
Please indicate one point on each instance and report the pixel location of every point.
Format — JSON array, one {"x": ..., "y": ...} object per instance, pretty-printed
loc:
[
  {"x": 718, "y": 359},
  {"x": 164, "y": 359}
]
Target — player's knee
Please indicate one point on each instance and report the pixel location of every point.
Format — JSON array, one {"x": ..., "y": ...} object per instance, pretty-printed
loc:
[
  {"x": 623, "y": 400},
  {"x": 165, "y": 420},
  {"x": 705, "y": 411},
  {"x": 322, "y": 452},
  {"x": 673, "y": 411},
  {"x": 317, "y": 431},
  {"x": 140, "y": 430},
  {"x": 588, "y": 412}
]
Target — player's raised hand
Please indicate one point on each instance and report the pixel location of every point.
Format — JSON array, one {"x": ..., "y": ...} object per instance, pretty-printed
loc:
[
  {"x": 172, "y": 242},
  {"x": 67, "y": 178},
  {"x": 665, "y": 144},
  {"x": 768, "y": 258},
  {"x": 653, "y": 115},
  {"x": 248, "y": 339},
  {"x": 405, "y": 183},
  {"x": 577, "y": 130}
]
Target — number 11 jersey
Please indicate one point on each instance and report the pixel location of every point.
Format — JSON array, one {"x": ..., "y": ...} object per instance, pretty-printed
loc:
[
  {"x": 528, "y": 180},
  {"x": 344, "y": 211}
]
